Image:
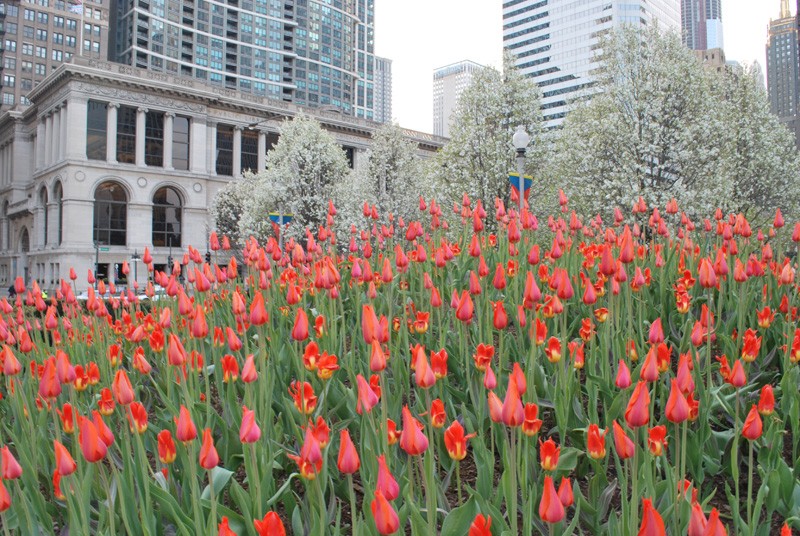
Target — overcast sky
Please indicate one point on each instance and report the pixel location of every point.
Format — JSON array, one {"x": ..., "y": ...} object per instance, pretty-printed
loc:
[{"x": 422, "y": 35}]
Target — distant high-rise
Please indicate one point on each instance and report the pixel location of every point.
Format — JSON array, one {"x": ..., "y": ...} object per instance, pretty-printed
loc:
[
  {"x": 783, "y": 69},
  {"x": 448, "y": 84},
  {"x": 555, "y": 41},
  {"x": 40, "y": 36},
  {"x": 701, "y": 24},
  {"x": 383, "y": 90},
  {"x": 310, "y": 52}
]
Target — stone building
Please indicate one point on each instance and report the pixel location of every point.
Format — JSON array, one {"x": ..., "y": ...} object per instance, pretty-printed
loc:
[{"x": 109, "y": 159}]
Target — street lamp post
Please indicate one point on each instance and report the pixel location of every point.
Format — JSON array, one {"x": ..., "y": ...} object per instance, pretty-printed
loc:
[
  {"x": 136, "y": 258},
  {"x": 521, "y": 140}
]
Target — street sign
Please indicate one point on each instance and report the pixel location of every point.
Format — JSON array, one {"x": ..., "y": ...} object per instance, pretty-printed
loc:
[
  {"x": 105, "y": 249},
  {"x": 279, "y": 218},
  {"x": 513, "y": 178}
]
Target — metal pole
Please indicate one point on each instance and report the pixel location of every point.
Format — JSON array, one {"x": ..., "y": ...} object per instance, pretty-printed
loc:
[
  {"x": 521, "y": 171},
  {"x": 96, "y": 262},
  {"x": 280, "y": 232}
]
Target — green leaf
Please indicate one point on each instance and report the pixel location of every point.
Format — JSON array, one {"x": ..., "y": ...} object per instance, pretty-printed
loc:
[
  {"x": 568, "y": 459},
  {"x": 459, "y": 519},
  {"x": 219, "y": 478}
]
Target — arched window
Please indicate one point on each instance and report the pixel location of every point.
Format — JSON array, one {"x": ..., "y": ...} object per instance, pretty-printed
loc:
[
  {"x": 58, "y": 192},
  {"x": 167, "y": 217},
  {"x": 45, "y": 219},
  {"x": 24, "y": 241},
  {"x": 110, "y": 214}
]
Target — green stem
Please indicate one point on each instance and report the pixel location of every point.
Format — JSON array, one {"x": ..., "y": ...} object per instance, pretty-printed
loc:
[
  {"x": 458, "y": 481},
  {"x": 735, "y": 465},
  {"x": 254, "y": 479},
  {"x": 212, "y": 518},
  {"x": 110, "y": 500},
  {"x": 195, "y": 500},
  {"x": 635, "y": 483},
  {"x": 511, "y": 501},
  {"x": 353, "y": 511},
  {"x": 750, "y": 491},
  {"x": 322, "y": 510}
]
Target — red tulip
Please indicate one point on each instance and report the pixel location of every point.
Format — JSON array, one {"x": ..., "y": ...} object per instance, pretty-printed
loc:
[
  {"x": 11, "y": 467},
  {"x": 638, "y": 410},
  {"x": 596, "y": 442},
  {"x": 386, "y": 483},
  {"x": 5, "y": 498},
  {"x": 348, "y": 461},
  {"x": 652, "y": 524},
  {"x": 49, "y": 386},
  {"x": 122, "y": 388},
  {"x": 766, "y": 402},
  {"x": 209, "y": 458},
  {"x": 423, "y": 373},
  {"x": 548, "y": 454},
  {"x": 623, "y": 444},
  {"x": 176, "y": 354},
  {"x": 300, "y": 329},
  {"x": 185, "y": 430},
  {"x": 412, "y": 440},
  {"x": 677, "y": 409},
  {"x": 715, "y": 527},
  {"x": 224, "y": 529},
  {"x": 656, "y": 440},
  {"x": 369, "y": 324},
  {"x": 258, "y": 312},
  {"x": 249, "y": 432},
  {"x": 531, "y": 425},
  {"x": 697, "y": 521},
  {"x": 752, "y": 427},
  {"x": 656, "y": 332},
  {"x": 271, "y": 525},
  {"x": 465, "y": 309},
  {"x": 367, "y": 399},
  {"x": 623, "y": 380},
  {"x": 65, "y": 465},
  {"x": 303, "y": 395},
  {"x": 513, "y": 413},
  {"x": 138, "y": 418},
  {"x": 481, "y": 526},
  {"x": 456, "y": 442},
  {"x": 386, "y": 520},
  {"x": 92, "y": 445},
  {"x": 166, "y": 447},
  {"x": 249, "y": 372},
  {"x": 565, "y": 492},
  {"x": 551, "y": 510}
]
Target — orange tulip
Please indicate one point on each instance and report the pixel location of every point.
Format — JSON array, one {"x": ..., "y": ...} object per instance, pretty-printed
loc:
[
  {"x": 465, "y": 308},
  {"x": 439, "y": 363},
  {"x": 706, "y": 274},
  {"x": 386, "y": 520},
  {"x": 138, "y": 418},
  {"x": 483, "y": 356},
  {"x": 49, "y": 386},
  {"x": 230, "y": 368},
  {"x": 223, "y": 529},
  {"x": 303, "y": 395},
  {"x": 550, "y": 508},
  {"x": 553, "y": 350},
  {"x": 5, "y": 498},
  {"x": 531, "y": 425},
  {"x": 656, "y": 440},
  {"x": 513, "y": 412},
  {"x": 715, "y": 527},
  {"x": 271, "y": 525},
  {"x": 367, "y": 398},
  {"x": 176, "y": 354},
  {"x": 437, "y": 414},
  {"x": 249, "y": 372},
  {"x": 766, "y": 402},
  {"x": 369, "y": 324},
  {"x": 258, "y": 312},
  {"x": 199, "y": 324},
  {"x": 751, "y": 345},
  {"x": 423, "y": 373},
  {"x": 209, "y": 458},
  {"x": 11, "y": 467},
  {"x": 65, "y": 465}
]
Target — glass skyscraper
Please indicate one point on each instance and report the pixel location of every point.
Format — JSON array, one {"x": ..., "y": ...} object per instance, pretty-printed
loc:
[
  {"x": 317, "y": 53},
  {"x": 555, "y": 41}
]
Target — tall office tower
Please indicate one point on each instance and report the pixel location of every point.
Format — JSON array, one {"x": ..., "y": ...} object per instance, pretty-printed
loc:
[
  {"x": 448, "y": 84},
  {"x": 783, "y": 69},
  {"x": 383, "y": 90},
  {"x": 39, "y": 36},
  {"x": 555, "y": 41},
  {"x": 701, "y": 24},
  {"x": 317, "y": 53}
]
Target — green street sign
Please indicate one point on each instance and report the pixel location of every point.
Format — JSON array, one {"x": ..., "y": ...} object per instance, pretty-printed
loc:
[{"x": 105, "y": 249}]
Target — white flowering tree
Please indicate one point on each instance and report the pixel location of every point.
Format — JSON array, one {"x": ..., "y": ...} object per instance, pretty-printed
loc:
[
  {"x": 391, "y": 179},
  {"x": 226, "y": 210},
  {"x": 759, "y": 151},
  {"x": 653, "y": 130},
  {"x": 479, "y": 155},
  {"x": 299, "y": 179}
]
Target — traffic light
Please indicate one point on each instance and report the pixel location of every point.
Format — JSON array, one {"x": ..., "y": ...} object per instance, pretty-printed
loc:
[
  {"x": 169, "y": 263},
  {"x": 208, "y": 257}
]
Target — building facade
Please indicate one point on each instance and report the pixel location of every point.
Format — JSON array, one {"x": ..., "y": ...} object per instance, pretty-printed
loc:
[
  {"x": 109, "y": 159},
  {"x": 783, "y": 69},
  {"x": 448, "y": 84},
  {"x": 383, "y": 90},
  {"x": 556, "y": 42},
  {"x": 310, "y": 52},
  {"x": 701, "y": 24},
  {"x": 40, "y": 35}
]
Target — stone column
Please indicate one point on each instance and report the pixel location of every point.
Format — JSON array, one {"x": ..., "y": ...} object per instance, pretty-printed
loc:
[
  {"x": 169, "y": 119},
  {"x": 48, "y": 139},
  {"x": 56, "y": 137},
  {"x": 74, "y": 128},
  {"x": 211, "y": 144},
  {"x": 262, "y": 150},
  {"x": 237, "y": 152},
  {"x": 198, "y": 149},
  {"x": 141, "y": 125},
  {"x": 111, "y": 132},
  {"x": 40, "y": 138},
  {"x": 63, "y": 135}
]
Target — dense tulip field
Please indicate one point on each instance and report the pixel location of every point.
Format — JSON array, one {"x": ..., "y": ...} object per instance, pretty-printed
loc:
[{"x": 476, "y": 372}]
